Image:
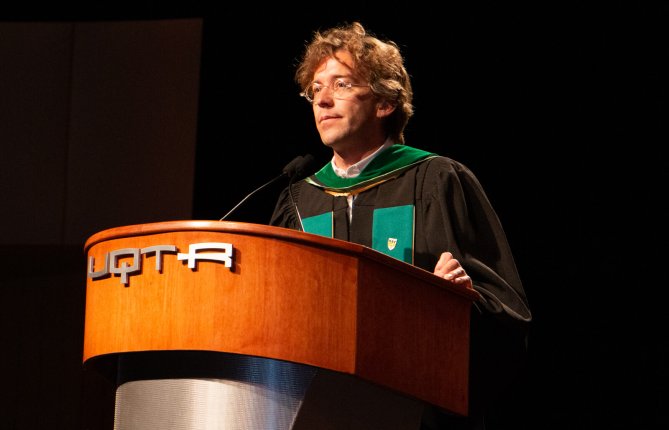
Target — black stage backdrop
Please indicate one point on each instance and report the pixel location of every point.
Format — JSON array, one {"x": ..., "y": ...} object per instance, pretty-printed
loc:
[{"x": 561, "y": 111}]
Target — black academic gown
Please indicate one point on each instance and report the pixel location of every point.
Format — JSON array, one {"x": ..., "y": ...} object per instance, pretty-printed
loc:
[{"x": 450, "y": 213}]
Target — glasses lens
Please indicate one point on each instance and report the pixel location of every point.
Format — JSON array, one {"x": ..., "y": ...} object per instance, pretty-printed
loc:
[
  {"x": 308, "y": 93},
  {"x": 338, "y": 86},
  {"x": 311, "y": 92}
]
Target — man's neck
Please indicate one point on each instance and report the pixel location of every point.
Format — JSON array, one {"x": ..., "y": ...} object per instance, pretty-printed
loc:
[
  {"x": 345, "y": 158},
  {"x": 361, "y": 163}
]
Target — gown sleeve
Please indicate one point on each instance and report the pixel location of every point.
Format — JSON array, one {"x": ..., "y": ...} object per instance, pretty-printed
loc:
[{"x": 458, "y": 217}]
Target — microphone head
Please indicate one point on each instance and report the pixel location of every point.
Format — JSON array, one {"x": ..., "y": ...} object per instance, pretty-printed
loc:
[{"x": 298, "y": 166}]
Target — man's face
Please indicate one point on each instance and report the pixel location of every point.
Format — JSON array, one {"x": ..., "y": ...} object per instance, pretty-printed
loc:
[{"x": 350, "y": 117}]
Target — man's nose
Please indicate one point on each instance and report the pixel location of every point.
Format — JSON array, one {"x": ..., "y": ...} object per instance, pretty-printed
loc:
[{"x": 324, "y": 96}]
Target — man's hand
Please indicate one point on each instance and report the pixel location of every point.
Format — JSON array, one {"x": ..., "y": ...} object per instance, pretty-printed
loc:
[{"x": 449, "y": 268}]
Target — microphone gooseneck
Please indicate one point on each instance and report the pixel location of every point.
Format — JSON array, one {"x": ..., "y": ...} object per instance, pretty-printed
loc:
[
  {"x": 292, "y": 170},
  {"x": 250, "y": 194}
]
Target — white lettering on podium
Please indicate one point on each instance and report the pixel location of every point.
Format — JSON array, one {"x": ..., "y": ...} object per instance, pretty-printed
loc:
[
  {"x": 193, "y": 255},
  {"x": 196, "y": 252}
]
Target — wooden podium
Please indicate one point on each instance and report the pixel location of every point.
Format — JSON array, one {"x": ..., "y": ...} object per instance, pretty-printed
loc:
[{"x": 166, "y": 300}]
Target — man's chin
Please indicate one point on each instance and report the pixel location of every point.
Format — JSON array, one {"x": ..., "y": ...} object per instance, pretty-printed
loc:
[
  {"x": 328, "y": 141},
  {"x": 334, "y": 141}
]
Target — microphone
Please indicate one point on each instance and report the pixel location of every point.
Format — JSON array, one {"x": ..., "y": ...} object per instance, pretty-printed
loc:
[
  {"x": 292, "y": 170},
  {"x": 298, "y": 166}
]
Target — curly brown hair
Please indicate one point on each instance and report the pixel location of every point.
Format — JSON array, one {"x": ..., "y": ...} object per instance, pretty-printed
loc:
[{"x": 379, "y": 62}]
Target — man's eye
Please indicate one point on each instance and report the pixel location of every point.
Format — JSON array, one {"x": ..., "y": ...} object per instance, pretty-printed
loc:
[{"x": 338, "y": 85}]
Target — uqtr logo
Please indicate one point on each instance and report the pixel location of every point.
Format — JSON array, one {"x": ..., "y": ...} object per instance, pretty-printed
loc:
[{"x": 125, "y": 270}]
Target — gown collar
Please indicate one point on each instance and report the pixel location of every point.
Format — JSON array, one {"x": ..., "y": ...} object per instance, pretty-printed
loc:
[{"x": 388, "y": 164}]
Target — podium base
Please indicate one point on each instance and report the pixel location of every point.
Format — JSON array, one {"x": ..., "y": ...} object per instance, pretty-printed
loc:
[
  {"x": 219, "y": 391},
  {"x": 203, "y": 404},
  {"x": 191, "y": 390}
]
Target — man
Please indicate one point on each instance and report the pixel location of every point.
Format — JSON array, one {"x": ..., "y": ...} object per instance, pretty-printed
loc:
[{"x": 434, "y": 209}]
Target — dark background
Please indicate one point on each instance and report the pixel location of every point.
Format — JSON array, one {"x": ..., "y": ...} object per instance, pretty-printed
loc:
[{"x": 561, "y": 111}]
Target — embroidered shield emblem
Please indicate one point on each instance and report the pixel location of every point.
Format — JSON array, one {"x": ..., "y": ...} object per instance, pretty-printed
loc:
[{"x": 392, "y": 242}]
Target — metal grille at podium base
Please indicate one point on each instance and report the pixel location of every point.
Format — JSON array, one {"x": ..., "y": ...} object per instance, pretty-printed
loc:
[
  {"x": 190, "y": 404},
  {"x": 261, "y": 394}
]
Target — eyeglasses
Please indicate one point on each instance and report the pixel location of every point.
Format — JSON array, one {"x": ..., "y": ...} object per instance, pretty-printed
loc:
[{"x": 339, "y": 89}]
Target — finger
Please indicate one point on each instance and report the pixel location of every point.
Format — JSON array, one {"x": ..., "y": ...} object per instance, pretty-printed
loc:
[
  {"x": 446, "y": 263},
  {"x": 455, "y": 273},
  {"x": 464, "y": 280}
]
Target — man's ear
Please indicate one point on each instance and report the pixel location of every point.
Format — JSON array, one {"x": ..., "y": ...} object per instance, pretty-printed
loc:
[{"x": 384, "y": 108}]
